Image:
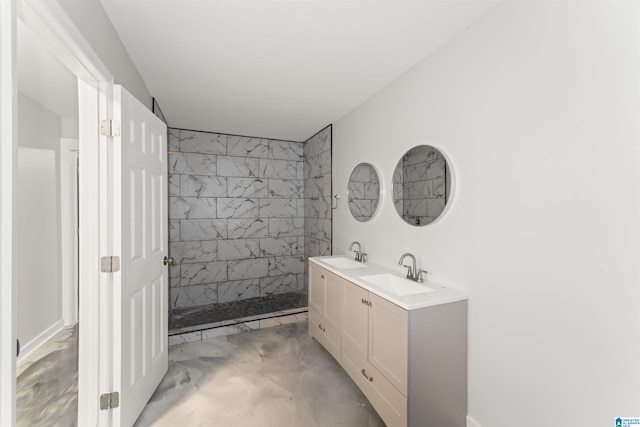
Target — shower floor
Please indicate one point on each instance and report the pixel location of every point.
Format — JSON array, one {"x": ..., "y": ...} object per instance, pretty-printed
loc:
[{"x": 181, "y": 318}]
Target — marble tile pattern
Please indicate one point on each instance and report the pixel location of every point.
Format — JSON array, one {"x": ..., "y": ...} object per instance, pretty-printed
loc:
[
  {"x": 317, "y": 207},
  {"x": 364, "y": 192},
  {"x": 236, "y": 217},
  {"x": 420, "y": 185},
  {"x": 273, "y": 377}
]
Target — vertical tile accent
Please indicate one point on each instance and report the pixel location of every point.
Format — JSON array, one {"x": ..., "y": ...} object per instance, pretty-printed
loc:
[{"x": 317, "y": 203}]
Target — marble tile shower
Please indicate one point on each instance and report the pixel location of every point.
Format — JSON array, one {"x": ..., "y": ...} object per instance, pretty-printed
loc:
[
  {"x": 236, "y": 213},
  {"x": 238, "y": 217},
  {"x": 317, "y": 209}
]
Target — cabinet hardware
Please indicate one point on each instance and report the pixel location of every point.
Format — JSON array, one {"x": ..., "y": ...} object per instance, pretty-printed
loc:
[
  {"x": 321, "y": 328},
  {"x": 322, "y": 276},
  {"x": 167, "y": 260},
  {"x": 364, "y": 373}
]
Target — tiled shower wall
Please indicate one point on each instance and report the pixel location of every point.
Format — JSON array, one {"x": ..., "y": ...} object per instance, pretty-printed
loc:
[
  {"x": 236, "y": 211},
  {"x": 318, "y": 212}
]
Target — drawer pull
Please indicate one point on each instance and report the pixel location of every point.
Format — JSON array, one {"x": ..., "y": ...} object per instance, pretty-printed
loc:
[
  {"x": 321, "y": 328},
  {"x": 364, "y": 373},
  {"x": 322, "y": 276}
]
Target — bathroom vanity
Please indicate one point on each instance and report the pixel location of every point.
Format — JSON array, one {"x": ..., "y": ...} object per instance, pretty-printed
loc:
[{"x": 403, "y": 343}]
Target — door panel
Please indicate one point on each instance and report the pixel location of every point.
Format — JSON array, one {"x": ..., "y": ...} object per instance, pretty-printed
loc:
[
  {"x": 355, "y": 325},
  {"x": 334, "y": 305},
  {"x": 388, "y": 344},
  {"x": 140, "y": 326}
]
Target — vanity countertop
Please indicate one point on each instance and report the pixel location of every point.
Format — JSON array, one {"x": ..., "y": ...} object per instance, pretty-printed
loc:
[{"x": 435, "y": 294}]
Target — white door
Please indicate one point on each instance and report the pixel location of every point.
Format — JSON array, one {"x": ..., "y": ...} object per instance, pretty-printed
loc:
[{"x": 140, "y": 289}]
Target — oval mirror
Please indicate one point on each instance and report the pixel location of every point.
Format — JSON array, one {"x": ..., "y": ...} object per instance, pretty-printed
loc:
[
  {"x": 421, "y": 185},
  {"x": 364, "y": 192}
]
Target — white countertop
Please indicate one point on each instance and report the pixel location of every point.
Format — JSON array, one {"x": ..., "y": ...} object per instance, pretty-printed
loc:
[{"x": 439, "y": 295}]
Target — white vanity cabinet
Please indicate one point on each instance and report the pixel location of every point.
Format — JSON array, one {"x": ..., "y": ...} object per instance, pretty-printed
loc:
[
  {"x": 326, "y": 307},
  {"x": 410, "y": 364},
  {"x": 374, "y": 351}
]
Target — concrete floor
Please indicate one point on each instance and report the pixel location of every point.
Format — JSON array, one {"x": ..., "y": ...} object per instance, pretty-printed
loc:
[
  {"x": 274, "y": 377},
  {"x": 47, "y": 383}
]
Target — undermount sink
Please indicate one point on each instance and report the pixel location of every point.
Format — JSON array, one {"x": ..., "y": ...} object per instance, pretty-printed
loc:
[
  {"x": 343, "y": 263},
  {"x": 396, "y": 285}
]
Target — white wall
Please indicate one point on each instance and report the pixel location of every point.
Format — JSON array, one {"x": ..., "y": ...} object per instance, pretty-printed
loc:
[
  {"x": 537, "y": 107},
  {"x": 39, "y": 306},
  {"x": 92, "y": 21},
  {"x": 70, "y": 127}
]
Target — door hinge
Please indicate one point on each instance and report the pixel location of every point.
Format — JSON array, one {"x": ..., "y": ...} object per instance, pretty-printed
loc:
[
  {"x": 109, "y": 401},
  {"x": 109, "y": 128},
  {"x": 109, "y": 264}
]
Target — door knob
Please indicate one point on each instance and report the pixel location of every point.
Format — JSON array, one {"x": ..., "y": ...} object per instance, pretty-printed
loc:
[{"x": 167, "y": 260}]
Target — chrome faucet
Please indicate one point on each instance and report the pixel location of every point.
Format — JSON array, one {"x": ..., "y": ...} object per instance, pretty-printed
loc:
[
  {"x": 413, "y": 272},
  {"x": 360, "y": 256}
]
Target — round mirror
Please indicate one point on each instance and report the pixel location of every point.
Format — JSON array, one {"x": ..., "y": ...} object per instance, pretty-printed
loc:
[
  {"x": 364, "y": 192},
  {"x": 421, "y": 185}
]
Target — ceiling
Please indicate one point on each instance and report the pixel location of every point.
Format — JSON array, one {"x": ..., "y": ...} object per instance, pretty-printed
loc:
[
  {"x": 278, "y": 69},
  {"x": 42, "y": 77}
]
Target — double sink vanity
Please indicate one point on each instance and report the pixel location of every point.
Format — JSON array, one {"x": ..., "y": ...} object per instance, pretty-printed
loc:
[{"x": 403, "y": 342}]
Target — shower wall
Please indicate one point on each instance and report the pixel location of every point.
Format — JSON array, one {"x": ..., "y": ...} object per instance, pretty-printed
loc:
[
  {"x": 317, "y": 210},
  {"x": 236, "y": 217}
]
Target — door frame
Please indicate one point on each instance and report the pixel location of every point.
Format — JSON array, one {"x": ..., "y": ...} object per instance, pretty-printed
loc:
[
  {"x": 8, "y": 142},
  {"x": 61, "y": 36},
  {"x": 69, "y": 228}
]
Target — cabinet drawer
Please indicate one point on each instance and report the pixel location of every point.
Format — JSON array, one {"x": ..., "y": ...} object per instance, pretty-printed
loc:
[
  {"x": 390, "y": 404},
  {"x": 324, "y": 333}
]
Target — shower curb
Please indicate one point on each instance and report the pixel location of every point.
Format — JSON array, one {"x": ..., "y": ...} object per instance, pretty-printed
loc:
[{"x": 236, "y": 326}]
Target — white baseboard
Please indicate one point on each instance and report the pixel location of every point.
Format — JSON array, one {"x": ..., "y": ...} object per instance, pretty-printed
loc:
[
  {"x": 34, "y": 344},
  {"x": 471, "y": 422}
]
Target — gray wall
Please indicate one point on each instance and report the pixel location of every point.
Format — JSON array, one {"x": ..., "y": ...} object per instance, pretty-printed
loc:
[{"x": 236, "y": 212}]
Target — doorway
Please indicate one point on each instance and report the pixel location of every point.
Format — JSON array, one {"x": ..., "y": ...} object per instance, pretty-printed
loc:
[
  {"x": 112, "y": 220},
  {"x": 47, "y": 235}
]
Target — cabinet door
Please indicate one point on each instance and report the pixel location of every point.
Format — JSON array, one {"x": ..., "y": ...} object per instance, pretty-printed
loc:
[
  {"x": 334, "y": 304},
  {"x": 355, "y": 324},
  {"x": 388, "y": 341},
  {"x": 317, "y": 295}
]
